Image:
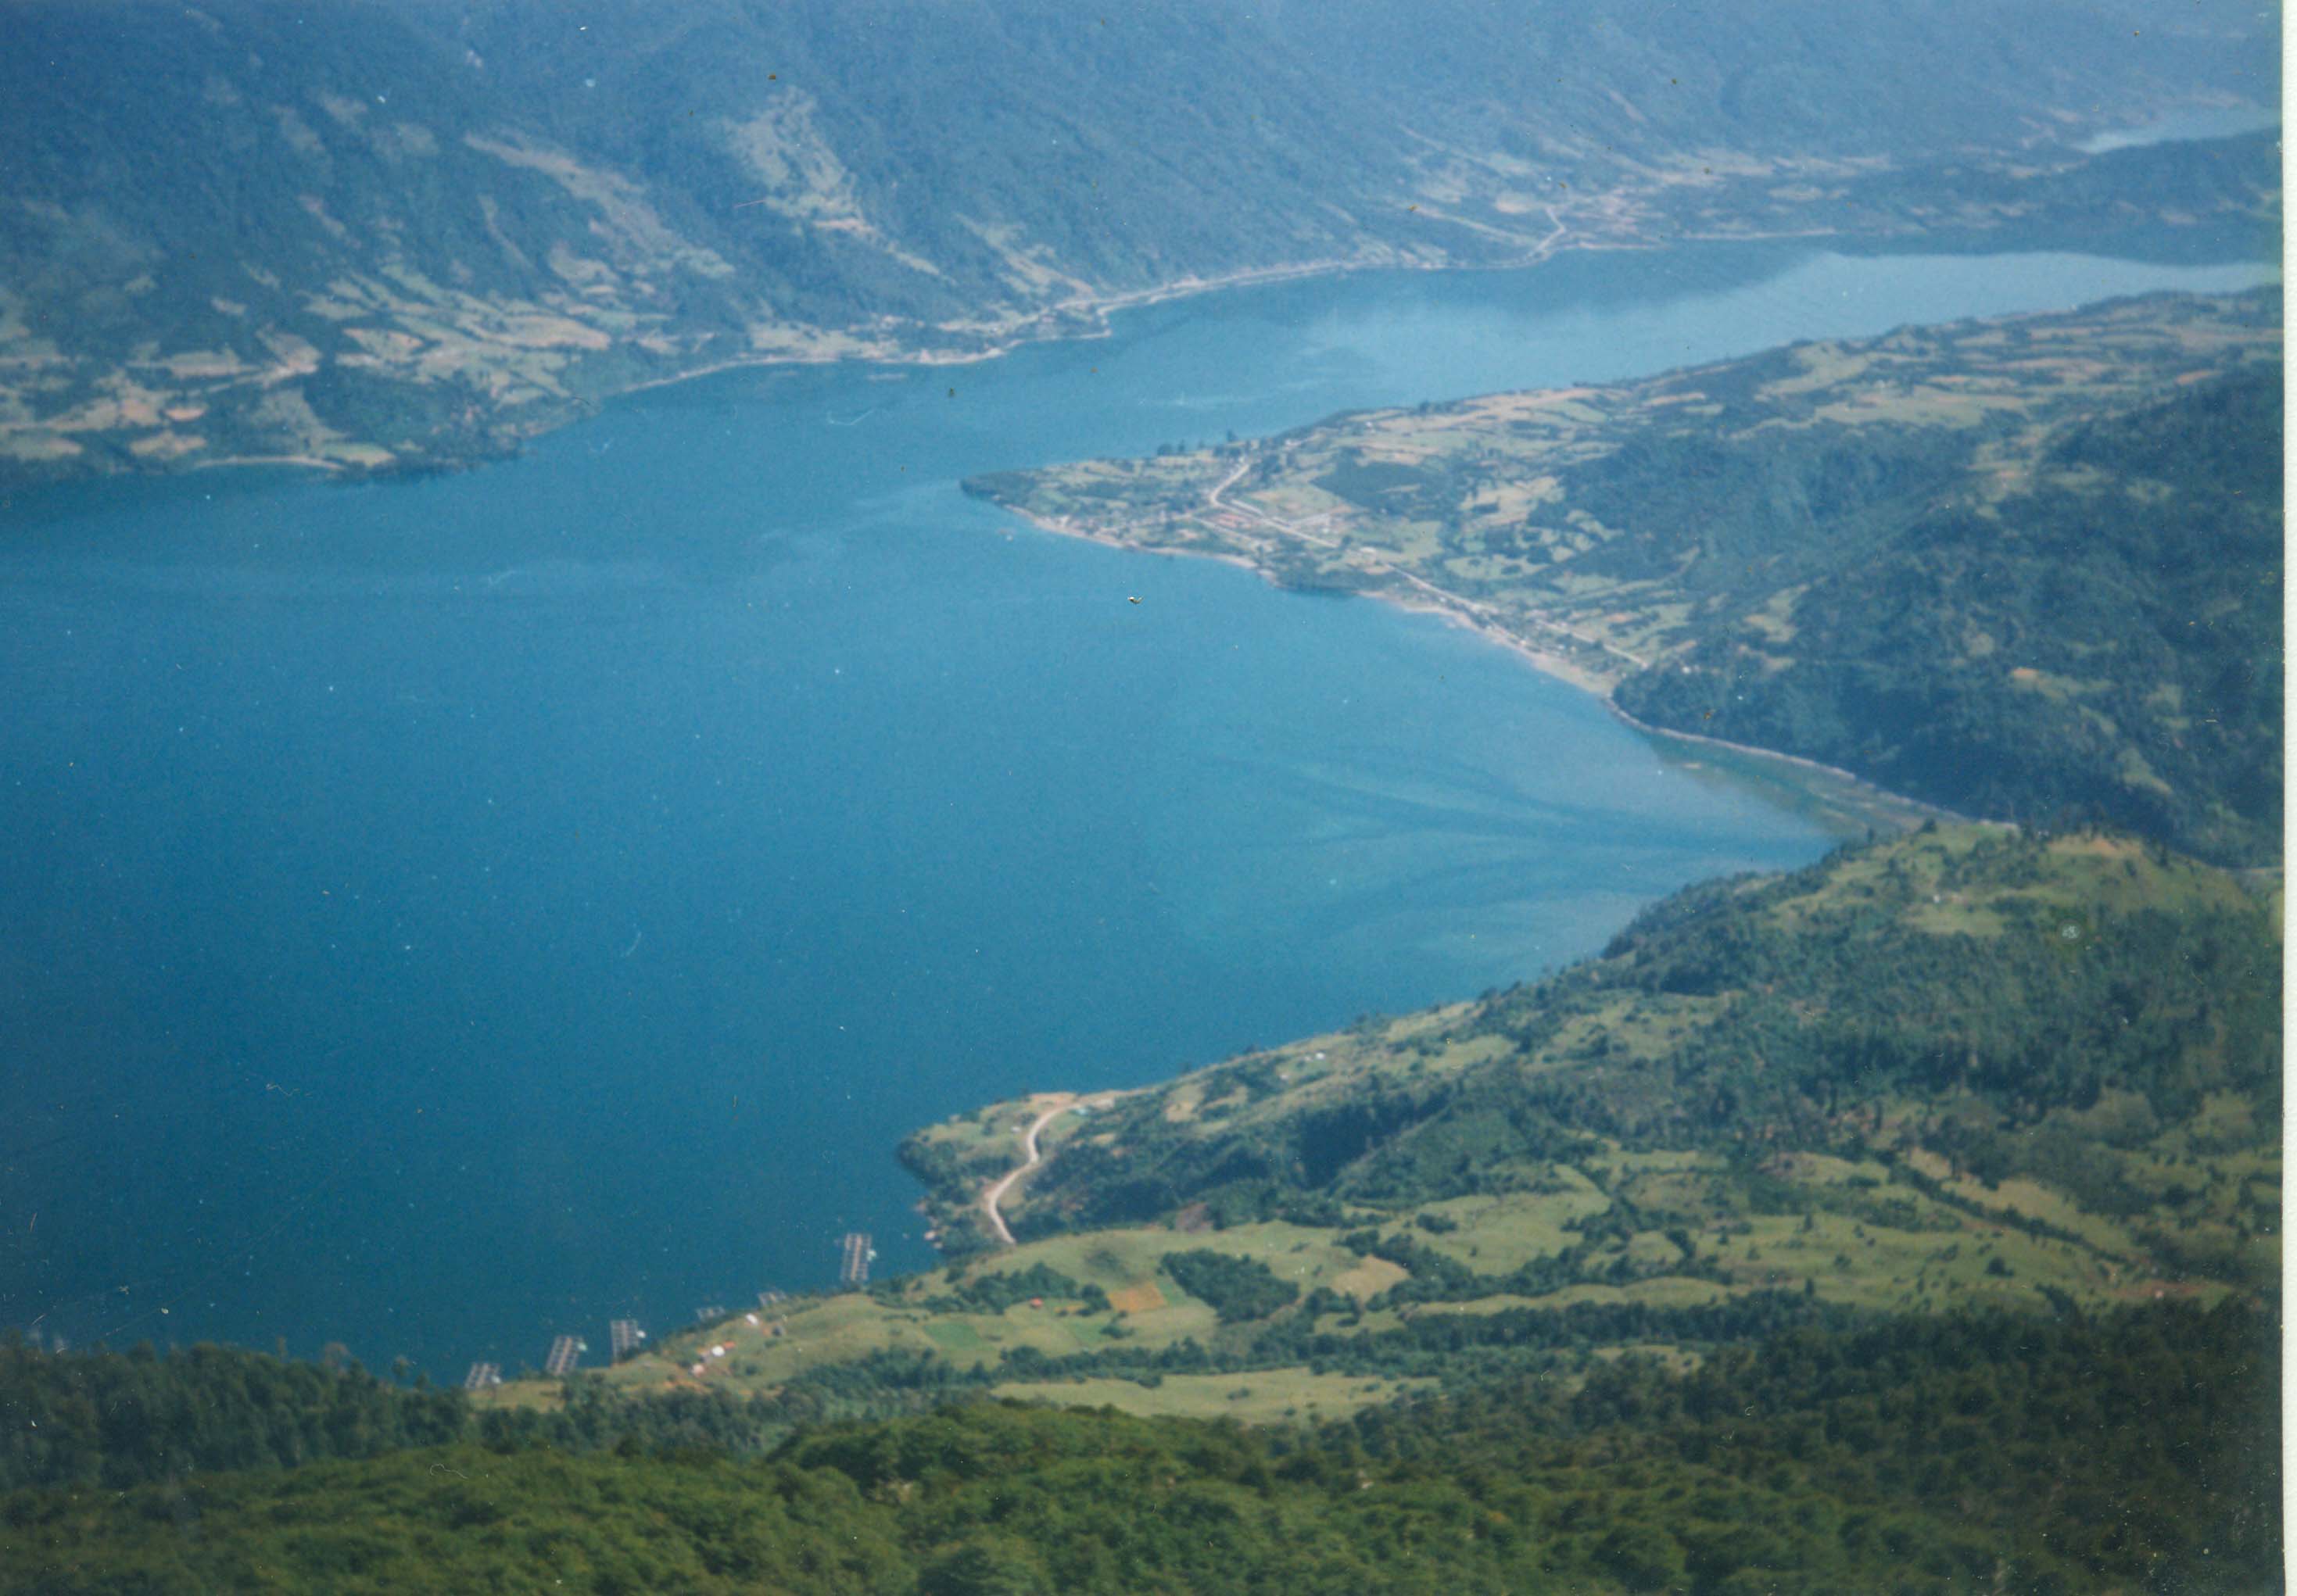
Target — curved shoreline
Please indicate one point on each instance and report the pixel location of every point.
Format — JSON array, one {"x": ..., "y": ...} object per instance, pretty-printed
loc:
[
  {"x": 1081, "y": 317},
  {"x": 1834, "y": 772},
  {"x": 1046, "y": 324},
  {"x": 1459, "y": 612}
]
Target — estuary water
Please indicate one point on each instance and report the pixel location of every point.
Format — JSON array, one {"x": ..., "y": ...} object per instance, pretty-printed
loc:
[{"x": 443, "y": 914}]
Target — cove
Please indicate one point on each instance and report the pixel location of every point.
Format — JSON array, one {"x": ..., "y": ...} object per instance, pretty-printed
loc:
[{"x": 445, "y": 913}]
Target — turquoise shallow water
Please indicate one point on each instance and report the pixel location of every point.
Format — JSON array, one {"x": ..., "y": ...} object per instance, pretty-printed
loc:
[{"x": 446, "y": 913}]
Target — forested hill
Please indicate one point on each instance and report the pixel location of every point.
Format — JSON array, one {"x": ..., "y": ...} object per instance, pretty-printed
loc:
[
  {"x": 2026, "y": 568},
  {"x": 387, "y": 234},
  {"x": 2102, "y": 639},
  {"x": 2135, "y": 1452}
]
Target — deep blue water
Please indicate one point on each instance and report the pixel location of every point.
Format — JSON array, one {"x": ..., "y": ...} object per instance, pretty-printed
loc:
[{"x": 440, "y": 914}]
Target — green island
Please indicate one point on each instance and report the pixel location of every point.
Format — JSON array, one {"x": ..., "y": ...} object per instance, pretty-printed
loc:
[
  {"x": 1934, "y": 560},
  {"x": 1791, "y": 1245}
]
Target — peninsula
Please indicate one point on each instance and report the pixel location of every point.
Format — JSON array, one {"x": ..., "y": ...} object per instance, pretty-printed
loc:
[
  {"x": 1801, "y": 1231},
  {"x": 1960, "y": 1068},
  {"x": 2024, "y": 568}
]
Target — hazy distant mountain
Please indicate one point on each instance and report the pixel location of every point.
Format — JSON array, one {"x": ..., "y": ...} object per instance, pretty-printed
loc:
[{"x": 388, "y": 235}]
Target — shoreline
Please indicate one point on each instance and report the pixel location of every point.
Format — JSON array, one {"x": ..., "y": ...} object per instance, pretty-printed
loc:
[
  {"x": 1044, "y": 325},
  {"x": 307, "y": 462},
  {"x": 1798, "y": 762},
  {"x": 1081, "y": 317},
  {"x": 1544, "y": 660},
  {"x": 1626, "y": 216}
]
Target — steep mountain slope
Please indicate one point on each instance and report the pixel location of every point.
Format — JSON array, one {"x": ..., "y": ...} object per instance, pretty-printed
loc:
[{"x": 378, "y": 236}]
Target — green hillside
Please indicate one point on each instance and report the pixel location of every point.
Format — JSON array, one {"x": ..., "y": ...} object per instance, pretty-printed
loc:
[
  {"x": 1908, "y": 1222},
  {"x": 2026, "y": 568},
  {"x": 2079, "y": 1010},
  {"x": 381, "y": 237},
  {"x": 2069, "y": 1048},
  {"x": 1964, "y": 1068}
]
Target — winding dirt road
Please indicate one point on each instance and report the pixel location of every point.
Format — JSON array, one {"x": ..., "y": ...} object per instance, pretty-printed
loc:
[{"x": 995, "y": 1191}]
